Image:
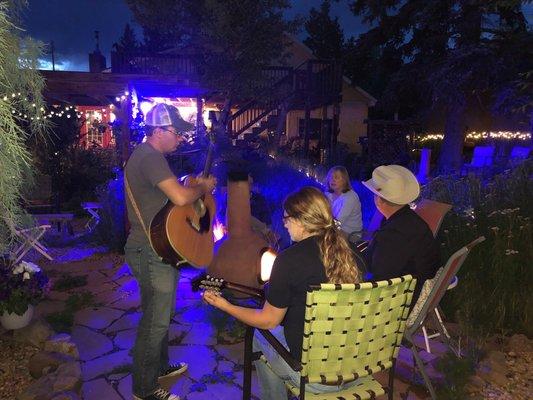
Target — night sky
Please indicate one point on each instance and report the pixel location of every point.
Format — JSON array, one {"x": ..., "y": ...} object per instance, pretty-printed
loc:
[{"x": 71, "y": 25}]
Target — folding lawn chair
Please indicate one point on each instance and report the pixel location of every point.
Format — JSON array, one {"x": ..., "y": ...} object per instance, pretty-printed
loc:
[
  {"x": 27, "y": 239},
  {"x": 427, "y": 304},
  {"x": 351, "y": 331}
]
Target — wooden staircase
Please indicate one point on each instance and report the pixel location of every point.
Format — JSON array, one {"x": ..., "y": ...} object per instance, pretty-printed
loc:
[{"x": 313, "y": 84}]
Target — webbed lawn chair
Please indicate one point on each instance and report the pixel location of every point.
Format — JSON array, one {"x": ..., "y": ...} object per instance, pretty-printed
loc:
[
  {"x": 427, "y": 305},
  {"x": 351, "y": 331}
]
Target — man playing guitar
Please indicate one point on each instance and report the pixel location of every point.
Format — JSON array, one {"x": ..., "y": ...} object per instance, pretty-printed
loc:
[{"x": 149, "y": 184}]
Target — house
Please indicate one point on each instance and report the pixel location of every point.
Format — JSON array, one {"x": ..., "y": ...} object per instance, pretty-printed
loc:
[
  {"x": 354, "y": 103},
  {"x": 310, "y": 96}
]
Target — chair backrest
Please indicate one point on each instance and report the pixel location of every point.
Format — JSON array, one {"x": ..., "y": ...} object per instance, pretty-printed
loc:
[
  {"x": 443, "y": 278},
  {"x": 432, "y": 212},
  {"x": 520, "y": 153},
  {"x": 483, "y": 156},
  {"x": 354, "y": 330}
]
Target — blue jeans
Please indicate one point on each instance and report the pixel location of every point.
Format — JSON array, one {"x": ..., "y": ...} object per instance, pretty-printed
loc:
[
  {"x": 157, "y": 282},
  {"x": 271, "y": 380}
]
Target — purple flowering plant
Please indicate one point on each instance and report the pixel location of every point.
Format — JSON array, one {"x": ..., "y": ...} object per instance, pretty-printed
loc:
[{"x": 21, "y": 284}]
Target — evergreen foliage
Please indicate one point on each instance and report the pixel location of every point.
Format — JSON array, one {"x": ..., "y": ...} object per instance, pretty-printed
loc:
[
  {"x": 464, "y": 55},
  {"x": 128, "y": 42},
  {"x": 325, "y": 36}
]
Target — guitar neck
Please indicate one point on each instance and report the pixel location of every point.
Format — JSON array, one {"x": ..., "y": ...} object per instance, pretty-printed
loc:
[
  {"x": 208, "y": 159},
  {"x": 250, "y": 291}
]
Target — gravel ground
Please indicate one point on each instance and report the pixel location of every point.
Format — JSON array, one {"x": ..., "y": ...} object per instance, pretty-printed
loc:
[
  {"x": 14, "y": 373},
  {"x": 521, "y": 382}
]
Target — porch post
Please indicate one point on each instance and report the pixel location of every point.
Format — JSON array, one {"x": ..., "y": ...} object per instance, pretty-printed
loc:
[
  {"x": 199, "y": 114},
  {"x": 307, "y": 121},
  {"x": 334, "y": 129},
  {"x": 323, "y": 135},
  {"x": 125, "y": 110}
]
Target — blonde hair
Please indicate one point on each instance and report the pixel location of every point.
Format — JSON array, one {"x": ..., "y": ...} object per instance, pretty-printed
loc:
[
  {"x": 311, "y": 208},
  {"x": 344, "y": 173}
]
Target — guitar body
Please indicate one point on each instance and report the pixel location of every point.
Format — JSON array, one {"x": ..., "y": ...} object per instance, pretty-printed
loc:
[{"x": 180, "y": 234}]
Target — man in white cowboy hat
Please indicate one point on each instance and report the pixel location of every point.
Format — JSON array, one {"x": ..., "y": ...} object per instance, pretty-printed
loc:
[
  {"x": 404, "y": 244},
  {"x": 150, "y": 183}
]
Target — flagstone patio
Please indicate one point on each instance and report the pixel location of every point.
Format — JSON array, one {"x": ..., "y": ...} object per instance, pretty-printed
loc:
[{"x": 105, "y": 333}]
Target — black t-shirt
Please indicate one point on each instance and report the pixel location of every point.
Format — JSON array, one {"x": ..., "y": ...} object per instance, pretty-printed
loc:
[{"x": 294, "y": 270}]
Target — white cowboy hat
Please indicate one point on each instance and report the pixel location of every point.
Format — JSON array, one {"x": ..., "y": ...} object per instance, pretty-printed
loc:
[{"x": 394, "y": 183}]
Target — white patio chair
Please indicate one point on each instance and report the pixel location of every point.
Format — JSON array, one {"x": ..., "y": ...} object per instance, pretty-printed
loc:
[{"x": 27, "y": 238}]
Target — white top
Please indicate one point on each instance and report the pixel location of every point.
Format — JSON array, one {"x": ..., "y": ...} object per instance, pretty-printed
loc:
[{"x": 347, "y": 210}]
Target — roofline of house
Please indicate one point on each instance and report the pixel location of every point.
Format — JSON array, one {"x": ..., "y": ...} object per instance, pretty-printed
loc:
[{"x": 371, "y": 99}]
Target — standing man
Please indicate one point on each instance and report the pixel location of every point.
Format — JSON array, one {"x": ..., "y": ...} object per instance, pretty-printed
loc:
[
  {"x": 149, "y": 184},
  {"x": 403, "y": 244}
]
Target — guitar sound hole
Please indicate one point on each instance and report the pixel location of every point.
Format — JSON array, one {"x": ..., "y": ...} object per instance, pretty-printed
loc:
[{"x": 205, "y": 222}]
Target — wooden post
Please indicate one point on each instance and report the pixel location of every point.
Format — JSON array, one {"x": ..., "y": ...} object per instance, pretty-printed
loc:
[
  {"x": 334, "y": 129},
  {"x": 199, "y": 115},
  {"x": 323, "y": 134},
  {"x": 307, "y": 121},
  {"x": 247, "y": 373},
  {"x": 125, "y": 118}
]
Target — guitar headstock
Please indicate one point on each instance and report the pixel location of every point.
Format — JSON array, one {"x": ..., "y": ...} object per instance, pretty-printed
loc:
[{"x": 212, "y": 283}]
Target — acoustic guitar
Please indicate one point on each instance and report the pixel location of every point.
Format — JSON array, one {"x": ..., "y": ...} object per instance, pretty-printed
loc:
[
  {"x": 184, "y": 234},
  {"x": 217, "y": 284}
]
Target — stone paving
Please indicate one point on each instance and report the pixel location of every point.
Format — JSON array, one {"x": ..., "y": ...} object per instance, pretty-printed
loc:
[{"x": 105, "y": 332}]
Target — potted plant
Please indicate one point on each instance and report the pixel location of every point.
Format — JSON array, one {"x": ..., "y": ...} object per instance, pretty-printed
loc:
[{"x": 21, "y": 287}]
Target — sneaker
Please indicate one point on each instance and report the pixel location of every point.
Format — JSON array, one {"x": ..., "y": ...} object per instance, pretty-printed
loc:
[
  {"x": 174, "y": 370},
  {"x": 159, "y": 394}
]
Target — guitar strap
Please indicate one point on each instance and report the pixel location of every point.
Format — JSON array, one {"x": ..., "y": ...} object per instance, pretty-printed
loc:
[{"x": 134, "y": 204}]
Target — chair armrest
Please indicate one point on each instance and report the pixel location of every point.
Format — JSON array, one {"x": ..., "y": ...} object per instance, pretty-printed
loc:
[
  {"x": 281, "y": 350},
  {"x": 34, "y": 228}
]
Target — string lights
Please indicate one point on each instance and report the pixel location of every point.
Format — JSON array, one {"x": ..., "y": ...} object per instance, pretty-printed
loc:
[
  {"x": 477, "y": 136},
  {"x": 68, "y": 111}
]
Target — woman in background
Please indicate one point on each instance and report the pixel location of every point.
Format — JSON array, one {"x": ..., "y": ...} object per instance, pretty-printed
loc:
[
  {"x": 320, "y": 254},
  {"x": 345, "y": 203}
]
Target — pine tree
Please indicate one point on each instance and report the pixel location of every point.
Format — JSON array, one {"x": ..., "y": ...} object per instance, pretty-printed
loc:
[
  {"x": 127, "y": 42},
  {"x": 325, "y": 36},
  {"x": 454, "y": 49}
]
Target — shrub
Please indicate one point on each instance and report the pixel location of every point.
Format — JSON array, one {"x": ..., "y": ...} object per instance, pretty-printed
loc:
[
  {"x": 81, "y": 171},
  {"x": 495, "y": 283},
  {"x": 111, "y": 230}
]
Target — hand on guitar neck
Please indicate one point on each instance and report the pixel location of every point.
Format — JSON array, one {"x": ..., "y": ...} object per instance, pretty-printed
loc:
[
  {"x": 207, "y": 183},
  {"x": 217, "y": 284}
]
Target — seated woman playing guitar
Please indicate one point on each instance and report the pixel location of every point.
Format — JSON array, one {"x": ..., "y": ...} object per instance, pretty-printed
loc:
[{"x": 320, "y": 254}]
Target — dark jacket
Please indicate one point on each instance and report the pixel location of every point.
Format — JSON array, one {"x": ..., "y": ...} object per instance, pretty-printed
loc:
[{"x": 403, "y": 245}]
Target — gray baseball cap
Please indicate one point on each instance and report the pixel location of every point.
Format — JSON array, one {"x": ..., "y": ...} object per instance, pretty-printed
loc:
[{"x": 166, "y": 115}]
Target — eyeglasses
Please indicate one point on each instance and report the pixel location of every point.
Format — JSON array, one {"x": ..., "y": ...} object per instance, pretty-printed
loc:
[{"x": 171, "y": 131}]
